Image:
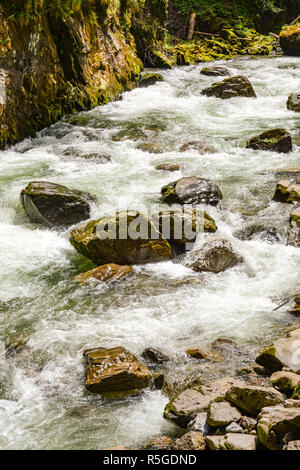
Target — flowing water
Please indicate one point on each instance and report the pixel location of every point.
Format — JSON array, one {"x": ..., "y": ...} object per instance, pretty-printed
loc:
[{"x": 43, "y": 402}]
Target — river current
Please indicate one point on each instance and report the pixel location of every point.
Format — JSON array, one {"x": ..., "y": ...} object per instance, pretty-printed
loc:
[{"x": 43, "y": 401}]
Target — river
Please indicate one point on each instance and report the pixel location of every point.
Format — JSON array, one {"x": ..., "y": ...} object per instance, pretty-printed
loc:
[{"x": 43, "y": 401}]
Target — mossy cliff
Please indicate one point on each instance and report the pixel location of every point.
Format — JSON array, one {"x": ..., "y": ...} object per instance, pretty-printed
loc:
[{"x": 56, "y": 59}]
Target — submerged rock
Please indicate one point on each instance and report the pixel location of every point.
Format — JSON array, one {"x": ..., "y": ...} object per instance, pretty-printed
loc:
[
  {"x": 287, "y": 191},
  {"x": 155, "y": 356},
  {"x": 230, "y": 88},
  {"x": 275, "y": 140},
  {"x": 199, "y": 146},
  {"x": 150, "y": 79},
  {"x": 215, "y": 71},
  {"x": 55, "y": 205},
  {"x": 251, "y": 399},
  {"x": 214, "y": 256},
  {"x": 192, "y": 440},
  {"x": 115, "y": 370},
  {"x": 275, "y": 422},
  {"x": 106, "y": 273},
  {"x": 127, "y": 237},
  {"x": 169, "y": 166},
  {"x": 196, "y": 353},
  {"x": 192, "y": 190},
  {"x": 282, "y": 353},
  {"x": 98, "y": 157},
  {"x": 293, "y": 102},
  {"x": 231, "y": 441}
]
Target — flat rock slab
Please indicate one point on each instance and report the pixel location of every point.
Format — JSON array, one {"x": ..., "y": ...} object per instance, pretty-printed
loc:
[
  {"x": 106, "y": 273},
  {"x": 222, "y": 413},
  {"x": 231, "y": 441},
  {"x": 115, "y": 370}
]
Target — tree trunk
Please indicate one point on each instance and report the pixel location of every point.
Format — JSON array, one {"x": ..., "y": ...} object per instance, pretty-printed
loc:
[{"x": 192, "y": 26}]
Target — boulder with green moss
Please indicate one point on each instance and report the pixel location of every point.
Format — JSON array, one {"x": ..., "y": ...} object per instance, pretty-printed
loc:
[
  {"x": 275, "y": 140},
  {"x": 231, "y": 88},
  {"x": 55, "y": 205},
  {"x": 287, "y": 192},
  {"x": 150, "y": 78},
  {"x": 275, "y": 422},
  {"x": 285, "y": 380},
  {"x": 282, "y": 353},
  {"x": 127, "y": 237},
  {"x": 192, "y": 190}
]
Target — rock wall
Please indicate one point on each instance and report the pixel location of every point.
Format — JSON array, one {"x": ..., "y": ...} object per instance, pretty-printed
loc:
[{"x": 53, "y": 64}]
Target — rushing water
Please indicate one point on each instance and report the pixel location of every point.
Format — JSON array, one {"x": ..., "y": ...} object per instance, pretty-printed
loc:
[{"x": 43, "y": 402}]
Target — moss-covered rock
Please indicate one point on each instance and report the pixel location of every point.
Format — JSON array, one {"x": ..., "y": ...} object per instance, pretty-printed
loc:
[
  {"x": 290, "y": 40},
  {"x": 275, "y": 422},
  {"x": 251, "y": 399},
  {"x": 275, "y": 140},
  {"x": 150, "y": 78},
  {"x": 214, "y": 256},
  {"x": 285, "y": 381},
  {"x": 231, "y": 88},
  {"x": 287, "y": 192},
  {"x": 283, "y": 353},
  {"x": 122, "y": 238},
  {"x": 106, "y": 273},
  {"x": 52, "y": 204},
  {"x": 115, "y": 370},
  {"x": 192, "y": 190}
]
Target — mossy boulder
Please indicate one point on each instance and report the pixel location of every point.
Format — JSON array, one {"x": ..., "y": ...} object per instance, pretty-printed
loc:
[
  {"x": 283, "y": 353},
  {"x": 127, "y": 237},
  {"x": 287, "y": 192},
  {"x": 285, "y": 381},
  {"x": 214, "y": 256},
  {"x": 275, "y": 422},
  {"x": 251, "y": 399},
  {"x": 115, "y": 370},
  {"x": 150, "y": 78},
  {"x": 290, "y": 40},
  {"x": 293, "y": 102},
  {"x": 231, "y": 88},
  {"x": 106, "y": 273},
  {"x": 275, "y": 140},
  {"x": 181, "y": 226},
  {"x": 192, "y": 190},
  {"x": 55, "y": 205},
  {"x": 215, "y": 71}
]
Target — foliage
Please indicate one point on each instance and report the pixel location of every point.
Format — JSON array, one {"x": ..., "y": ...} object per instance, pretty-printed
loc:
[{"x": 24, "y": 10}]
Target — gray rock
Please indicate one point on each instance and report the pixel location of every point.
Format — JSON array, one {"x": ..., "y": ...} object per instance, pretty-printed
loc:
[
  {"x": 248, "y": 423},
  {"x": 235, "y": 428},
  {"x": 214, "y": 256},
  {"x": 192, "y": 190},
  {"x": 199, "y": 424},
  {"x": 215, "y": 71},
  {"x": 222, "y": 413}
]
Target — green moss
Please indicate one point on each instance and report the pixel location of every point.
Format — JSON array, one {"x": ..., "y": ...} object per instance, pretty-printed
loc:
[{"x": 296, "y": 394}]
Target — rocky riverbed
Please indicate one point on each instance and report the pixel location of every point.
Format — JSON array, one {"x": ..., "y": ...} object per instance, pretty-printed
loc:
[{"x": 173, "y": 335}]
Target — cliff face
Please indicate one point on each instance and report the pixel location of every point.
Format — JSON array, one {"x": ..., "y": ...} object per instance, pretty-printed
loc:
[{"x": 53, "y": 64}]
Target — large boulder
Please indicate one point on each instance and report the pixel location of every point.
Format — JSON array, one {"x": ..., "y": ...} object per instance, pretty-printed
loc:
[
  {"x": 215, "y": 71},
  {"x": 181, "y": 226},
  {"x": 275, "y": 422},
  {"x": 222, "y": 413},
  {"x": 189, "y": 403},
  {"x": 293, "y": 102},
  {"x": 55, "y": 205},
  {"x": 106, "y": 273},
  {"x": 275, "y": 140},
  {"x": 285, "y": 352},
  {"x": 252, "y": 399},
  {"x": 115, "y": 370},
  {"x": 192, "y": 440},
  {"x": 192, "y": 190},
  {"x": 231, "y": 441},
  {"x": 150, "y": 78},
  {"x": 122, "y": 238},
  {"x": 290, "y": 40},
  {"x": 287, "y": 191},
  {"x": 285, "y": 381},
  {"x": 214, "y": 256},
  {"x": 230, "y": 88}
]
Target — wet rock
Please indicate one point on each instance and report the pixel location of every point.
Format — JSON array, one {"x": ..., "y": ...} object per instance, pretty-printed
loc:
[
  {"x": 185, "y": 406},
  {"x": 197, "y": 353},
  {"x": 293, "y": 445},
  {"x": 231, "y": 441},
  {"x": 290, "y": 40},
  {"x": 115, "y": 448},
  {"x": 293, "y": 102},
  {"x": 287, "y": 191},
  {"x": 220, "y": 343},
  {"x": 107, "y": 273},
  {"x": 150, "y": 79},
  {"x": 98, "y": 157},
  {"x": 199, "y": 424},
  {"x": 292, "y": 172},
  {"x": 235, "y": 428},
  {"x": 151, "y": 147},
  {"x": 169, "y": 167},
  {"x": 190, "y": 441},
  {"x": 221, "y": 414},
  {"x": 160, "y": 443},
  {"x": 115, "y": 370},
  {"x": 181, "y": 226},
  {"x": 215, "y": 71},
  {"x": 230, "y": 88},
  {"x": 275, "y": 140},
  {"x": 285, "y": 381},
  {"x": 111, "y": 239},
  {"x": 199, "y": 146},
  {"x": 282, "y": 353},
  {"x": 253, "y": 231},
  {"x": 295, "y": 218},
  {"x": 192, "y": 190},
  {"x": 251, "y": 399},
  {"x": 159, "y": 380},
  {"x": 274, "y": 423},
  {"x": 55, "y": 205},
  {"x": 214, "y": 256},
  {"x": 155, "y": 356},
  {"x": 248, "y": 423}
]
